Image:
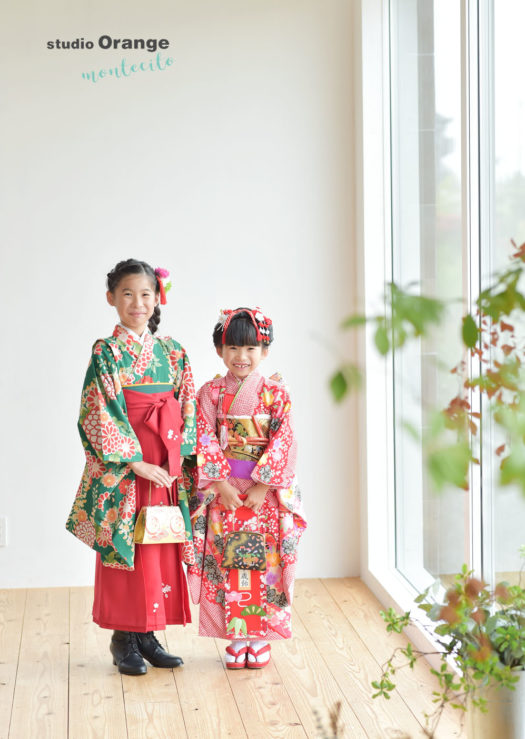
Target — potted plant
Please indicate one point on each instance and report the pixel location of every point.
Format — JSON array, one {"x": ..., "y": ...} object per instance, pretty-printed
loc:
[{"x": 479, "y": 634}]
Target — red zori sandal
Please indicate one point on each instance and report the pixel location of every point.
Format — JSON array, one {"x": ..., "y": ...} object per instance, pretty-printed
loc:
[
  {"x": 239, "y": 658},
  {"x": 259, "y": 658}
]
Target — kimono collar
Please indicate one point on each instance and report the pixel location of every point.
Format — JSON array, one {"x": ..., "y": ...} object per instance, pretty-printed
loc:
[
  {"x": 134, "y": 334},
  {"x": 131, "y": 339},
  {"x": 232, "y": 384}
]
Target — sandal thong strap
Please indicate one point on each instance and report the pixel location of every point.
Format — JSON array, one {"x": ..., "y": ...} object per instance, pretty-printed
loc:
[
  {"x": 259, "y": 653},
  {"x": 236, "y": 653}
]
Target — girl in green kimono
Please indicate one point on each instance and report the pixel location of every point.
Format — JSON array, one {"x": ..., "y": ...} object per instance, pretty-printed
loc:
[{"x": 137, "y": 423}]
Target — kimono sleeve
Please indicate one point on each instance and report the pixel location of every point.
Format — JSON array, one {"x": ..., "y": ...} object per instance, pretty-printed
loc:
[
  {"x": 212, "y": 465},
  {"x": 185, "y": 394},
  {"x": 103, "y": 423},
  {"x": 277, "y": 465}
]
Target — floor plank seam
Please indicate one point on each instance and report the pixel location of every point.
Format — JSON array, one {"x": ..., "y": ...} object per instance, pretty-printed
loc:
[
  {"x": 17, "y": 664},
  {"x": 303, "y": 623},
  {"x": 69, "y": 664},
  {"x": 337, "y": 648},
  {"x": 341, "y": 687},
  {"x": 218, "y": 646},
  {"x": 378, "y": 663},
  {"x": 415, "y": 713}
]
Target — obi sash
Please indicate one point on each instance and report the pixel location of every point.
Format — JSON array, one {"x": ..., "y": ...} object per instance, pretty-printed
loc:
[{"x": 243, "y": 438}]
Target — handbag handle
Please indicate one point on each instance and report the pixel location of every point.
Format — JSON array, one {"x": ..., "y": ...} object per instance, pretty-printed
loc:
[
  {"x": 170, "y": 496},
  {"x": 233, "y": 518}
]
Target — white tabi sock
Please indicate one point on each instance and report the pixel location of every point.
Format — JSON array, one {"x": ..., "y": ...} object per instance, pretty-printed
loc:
[
  {"x": 256, "y": 646},
  {"x": 236, "y": 645}
]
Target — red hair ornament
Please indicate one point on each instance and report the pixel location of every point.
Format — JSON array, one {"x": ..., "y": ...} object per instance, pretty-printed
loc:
[
  {"x": 161, "y": 275},
  {"x": 261, "y": 322}
]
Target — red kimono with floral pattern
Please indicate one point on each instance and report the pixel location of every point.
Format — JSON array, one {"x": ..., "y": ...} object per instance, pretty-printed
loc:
[{"x": 281, "y": 517}]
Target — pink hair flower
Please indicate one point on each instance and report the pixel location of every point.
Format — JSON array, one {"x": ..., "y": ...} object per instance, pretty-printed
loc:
[{"x": 162, "y": 273}]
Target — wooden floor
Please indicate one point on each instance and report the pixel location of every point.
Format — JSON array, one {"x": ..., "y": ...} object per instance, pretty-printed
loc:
[{"x": 57, "y": 679}]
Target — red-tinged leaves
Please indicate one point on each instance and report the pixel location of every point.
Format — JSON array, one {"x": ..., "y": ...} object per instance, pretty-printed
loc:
[
  {"x": 479, "y": 616},
  {"x": 473, "y": 587},
  {"x": 520, "y": 251},
  {"x": 500, "y": 450},
  {"x": 507, "y": 349},
  {"x": 450, "y": 615},
  {"x": 475, "y": 414},
  {"x": 506, "y": 326},
  {"x": 502, "y": 593}
]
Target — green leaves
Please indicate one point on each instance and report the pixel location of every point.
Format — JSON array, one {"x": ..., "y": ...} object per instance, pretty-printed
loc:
[
  {"x": 503, "y": 297},
  {"x": 449, "y": 465},
  {"x": 394, "y": 622},
  {"x": 238, "y": 626},
  {"x": 381, "y": 340},
  {"x": 344, "y": 381},
  {"x": 469, "y": 332},
  {"x": 253, "y": 610},
  {"x": 482, "y": 642},
  {"x": 407, "y": 316},
  {"x": 490, "y": 334},
  {"x": 353, "y": 321}
]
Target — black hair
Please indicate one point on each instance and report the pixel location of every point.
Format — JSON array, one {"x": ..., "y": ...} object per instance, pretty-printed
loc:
[
  {"x": 135, "y": 267},
  {"x": 240, "y": 331}
]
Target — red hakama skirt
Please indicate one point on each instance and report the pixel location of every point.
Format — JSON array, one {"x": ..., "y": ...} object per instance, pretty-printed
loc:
[{"x": 155, "y": 593}]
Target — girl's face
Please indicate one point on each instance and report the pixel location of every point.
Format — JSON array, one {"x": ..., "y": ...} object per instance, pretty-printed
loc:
[
  {"x": 242, "y": 360},
  {"x": 135, "y": 299}
]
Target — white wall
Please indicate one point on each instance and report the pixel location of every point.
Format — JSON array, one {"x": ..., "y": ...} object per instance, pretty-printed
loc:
[{"x": 233, "y": 168}]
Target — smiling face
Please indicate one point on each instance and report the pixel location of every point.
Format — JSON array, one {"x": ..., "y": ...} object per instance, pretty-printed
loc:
[
  {"x": 135, "y": 299},
  {"x": 242, "y": 360}
]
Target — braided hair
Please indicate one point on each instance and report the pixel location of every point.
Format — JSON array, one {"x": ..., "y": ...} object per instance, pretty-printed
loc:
[{"x": 135, "y": 267}]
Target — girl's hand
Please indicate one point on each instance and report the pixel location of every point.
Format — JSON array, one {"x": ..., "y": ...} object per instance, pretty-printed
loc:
[
  {"x": 229, "y": 496},
  {"x": 255, "y": 496},
  {"x": 158, "y": 475}
]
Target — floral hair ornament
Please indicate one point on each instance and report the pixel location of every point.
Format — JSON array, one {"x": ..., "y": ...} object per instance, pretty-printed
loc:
[
  {"x": 261, "y": 322},
  {"x": 162, "y": 275}
]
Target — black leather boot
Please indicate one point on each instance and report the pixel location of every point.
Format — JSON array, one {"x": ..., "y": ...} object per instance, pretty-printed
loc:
[
  {"x": 152, "y": 650},
  {"x": 126, "y": 653}
]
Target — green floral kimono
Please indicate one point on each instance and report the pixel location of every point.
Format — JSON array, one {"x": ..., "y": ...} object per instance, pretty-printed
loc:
[{"x": 103, "y": 514}]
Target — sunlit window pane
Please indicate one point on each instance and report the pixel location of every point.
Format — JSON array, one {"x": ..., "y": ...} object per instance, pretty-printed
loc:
[{"x": 427, "y": 251}]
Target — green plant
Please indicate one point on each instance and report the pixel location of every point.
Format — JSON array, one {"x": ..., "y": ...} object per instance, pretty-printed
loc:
[
  {"x": 480, "y": 639},
  {"x": 491, "y": 341},
  {"x": 479, "y": 632}
]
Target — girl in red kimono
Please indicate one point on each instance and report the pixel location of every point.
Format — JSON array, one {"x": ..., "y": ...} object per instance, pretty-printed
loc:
[
  {"x": 137, "y": 422},
  {"x": 245, "y": 481}
]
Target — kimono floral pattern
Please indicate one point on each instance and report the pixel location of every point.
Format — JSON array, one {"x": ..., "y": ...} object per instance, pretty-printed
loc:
[
  {"x": 281, "y": 517},
  {"x": 104, "y": 510}
]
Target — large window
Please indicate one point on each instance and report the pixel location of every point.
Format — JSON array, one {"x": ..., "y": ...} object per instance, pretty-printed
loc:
[
  {"x": 457, "y": 197},
  {"x": 504, "y": 531},
  {"x": 428, "y": 251}
]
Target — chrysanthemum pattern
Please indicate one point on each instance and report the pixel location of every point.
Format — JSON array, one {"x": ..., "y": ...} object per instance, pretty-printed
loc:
[
  {"x": 85, "y": 531},
  {"x": 95, "y": 466},
  {"x": 109, "y": 386},
  {"x": 105, "y": 506}
]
